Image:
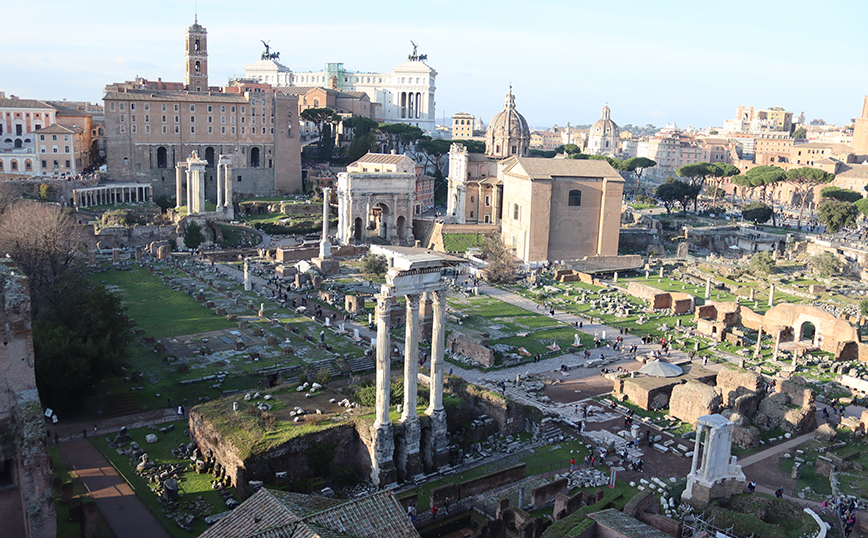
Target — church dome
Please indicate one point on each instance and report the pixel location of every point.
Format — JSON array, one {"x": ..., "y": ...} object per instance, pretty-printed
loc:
[
  {"x": 604, "y": 126},
  {"x": 479, "y": 125},
  {"x": 604, "y": 135},
  {"x": 508, "y": 133}
]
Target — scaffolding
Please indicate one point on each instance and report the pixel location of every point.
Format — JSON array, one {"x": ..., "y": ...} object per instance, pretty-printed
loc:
[{"x": 698, "y": 523}]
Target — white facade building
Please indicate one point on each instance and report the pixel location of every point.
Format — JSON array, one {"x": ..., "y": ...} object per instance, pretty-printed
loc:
[{"x": 406, "y": 93}]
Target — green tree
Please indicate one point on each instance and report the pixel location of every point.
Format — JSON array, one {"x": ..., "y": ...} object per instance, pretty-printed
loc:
[
  {"x": 696, "y": 174},
  {"x": 79, "y": 337},
  {"x": 473, "y": 146},
  {"x": 762, "y": 262},
  {"x": 801, "y": 132},
  {"x": 324, "y": 118},
  {"x": 757, "y": 212},
  {"x": 638, "y": 165},
  {"x": 433, "y": 150},
  {"x": 360, "y": 125},
  {"x": 569, "y": 149},
  {"x": 863, "y": 307},
  {"x": 193, "y": 235},
  {"x": 803, "y": 181},
  {"x": 675, "y": 191},
  {"x": 360, "y": 146},
  {"x": 763, "y": 177},
  {"x": 719, "y": 172},
  {"x": 826, "y": 263},
  {"x": 837, "y": 193},
  {"x": 43, "y": 191},
  {"x": 862, "y": 206},
  {"x": 836, "y": 214},
  {"x": 399, "y": 135},
  {"x": 545, "y": 154},
  {"x": 374, "y": 264}
]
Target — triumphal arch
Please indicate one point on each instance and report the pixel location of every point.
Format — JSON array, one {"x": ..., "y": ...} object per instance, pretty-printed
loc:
[
  {"x": 376, "y": 205},
  {"x": 415, "y": 443}
]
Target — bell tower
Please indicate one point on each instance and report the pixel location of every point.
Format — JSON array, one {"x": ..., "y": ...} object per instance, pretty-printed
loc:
[{"x": 196, "y": 58}]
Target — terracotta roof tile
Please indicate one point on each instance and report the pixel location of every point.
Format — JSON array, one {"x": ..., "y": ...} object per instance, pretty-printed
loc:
[
  {"x": 23, "y": 103},
  {"x": 540, "y": 168}
]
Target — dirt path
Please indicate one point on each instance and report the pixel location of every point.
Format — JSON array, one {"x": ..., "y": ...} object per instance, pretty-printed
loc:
[{"x": 125, "y": 513}]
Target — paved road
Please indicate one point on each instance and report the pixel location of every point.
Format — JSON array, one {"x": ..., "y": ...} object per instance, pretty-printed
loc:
[{"x": 125, "y": 513}]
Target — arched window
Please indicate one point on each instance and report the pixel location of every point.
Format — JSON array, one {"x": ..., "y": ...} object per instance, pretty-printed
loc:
[
  {"x": 162, "y": 157},
  {"x": 254, "y": 158},
  {"x": 14, "y": 165},
  {"x": 209, "y": 156},
  {"x": 196, "y": 46},
  {"x": 18, "y": 143},
  {"x": 197, "y": 66},
  {"x": 575, "y": 199}
]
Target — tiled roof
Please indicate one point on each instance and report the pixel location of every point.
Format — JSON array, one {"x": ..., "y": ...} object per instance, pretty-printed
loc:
[
  {"x": 192, "y": 97},
  {"x": 67, "y": 111},
  {"x": 23, "y": 103},
  {"x": 279, "y": 514},
  {"x": 380, "y": 158},
  {"x": 379, "y": 516},
  {"x": 55, "y": 129},
  {"x": 540, "y": 168},
  {"x": 625, "y": 525}
]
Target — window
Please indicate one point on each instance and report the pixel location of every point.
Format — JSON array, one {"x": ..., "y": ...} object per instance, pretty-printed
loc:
[
  {"x": 54, "y": 138},
  {"x": 222, "y": 119},
  {"x": 44, "y": 164},
  {"x": 177, "y": 118},
  {"x": 487, "y": 200},
  {"x": 67, "y": 164},
  {"x": 42, "y": 137},
  {"x": 192, "y": 119},
  {"x": 243, "y": 109},
  {"x": 15, "y": 165},
  {"x": 232, "y": 109},
  {"x": 113, "y": 107},
  {"x": 55, "y": 149},
  {"x": 122, "y": 106},
  {"x": 66, "y": 149},
  {"x": 165, "y": 129},
  {"x": 192, "y": 108},
  {"x": 163, "y": 107},
  {"x": 177, "y": 129},
  {"x": 147, "y": 118},
  {"x": 147, "y": 107},
  {"x": 192, "y": 129},
  {"x": 176, "y": 108},
  {"x": 223, "y": 130},
  {"x": 516, "y": 212},
  {"x": 233, "y": 130},
  {"x": 209, "y": 108},
  {"x": 132, "y": 106},
  {"x": 471, "y": 199},
  {"x": 164, "y": 118},
  {"x": 210, "y": 118},
  {"x": 575, "y": 198},
  {"x": 43, "y": 149},
  {"x": 147, "y": 128},
  {"x": 223, "y": 108},
  {"x": 210, "y": 129}
]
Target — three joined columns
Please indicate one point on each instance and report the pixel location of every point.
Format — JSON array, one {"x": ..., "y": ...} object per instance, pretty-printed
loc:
[{"x": 383, "y": 464}]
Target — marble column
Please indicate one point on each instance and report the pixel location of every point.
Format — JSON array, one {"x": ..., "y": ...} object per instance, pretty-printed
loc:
[
  {"x": 412, "y": 465},
  {"x": 219, "y": 188},
  {"x": 759, "y": 338},
  {"x": 383, "y": 469},
  {"x": 438, "y": 450},
  {"x": 772, "y": 295},
  {"x": 325, "y": 247},
  {"x": 696, "y": 449},
  {"x": 247, "y": 285},
  {"x": 189, "y": 191},
  {"x": 708, "y": 288}
]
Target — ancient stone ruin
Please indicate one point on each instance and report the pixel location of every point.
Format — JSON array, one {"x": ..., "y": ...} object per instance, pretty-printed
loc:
[{"x": 718, "y": 475}]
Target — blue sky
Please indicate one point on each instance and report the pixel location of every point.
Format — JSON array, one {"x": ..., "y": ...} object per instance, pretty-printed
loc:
[{"x": 652, "y": 61}]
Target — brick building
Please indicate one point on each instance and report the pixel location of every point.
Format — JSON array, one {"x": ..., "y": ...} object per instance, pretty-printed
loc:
[{"x": 149, "y": 130}]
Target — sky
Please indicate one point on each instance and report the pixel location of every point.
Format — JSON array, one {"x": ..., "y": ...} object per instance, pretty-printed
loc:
[{"x": 652, "y": 61}]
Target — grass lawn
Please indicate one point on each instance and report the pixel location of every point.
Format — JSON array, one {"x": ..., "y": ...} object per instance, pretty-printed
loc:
[
  {"x": 485, "y": 311},
  {"x": 461, "y": 242},
  {"x": 158, "y": 310},
  {"x": 191, "y": 485}
]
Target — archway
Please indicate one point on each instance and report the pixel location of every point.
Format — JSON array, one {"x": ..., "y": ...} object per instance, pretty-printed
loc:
[
  {"x": 209, "y": 156},
  {"x": 254, "y": 157},
  {"x": 18, "y": 143},
  {"x": 807, "y": 331},
  {"x": 378, "y": 221},
  {"x": 400, "y": 226},
  {"x": 357, "y": 229}
]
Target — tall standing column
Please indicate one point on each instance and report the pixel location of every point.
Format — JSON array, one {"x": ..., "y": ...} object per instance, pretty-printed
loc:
[
  {"x": 383, "y": 362},
  {"x": 408, "y": 462},
  {"x": 189, "y": 191},
  {"x": 219, "y": 188},
  {"x": 772, "y": 295},
  {"x": 325, "y": 247},
  {"x": 383, "y": 441},
  {"x": 247, "y": 286},
  {"x": 437, "y": 453}
]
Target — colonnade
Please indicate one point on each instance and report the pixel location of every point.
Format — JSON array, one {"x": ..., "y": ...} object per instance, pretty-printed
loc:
[{"x": 112, "y": 194}]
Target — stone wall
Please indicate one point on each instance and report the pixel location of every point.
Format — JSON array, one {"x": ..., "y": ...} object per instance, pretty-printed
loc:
[
  {"x": 693, "y": 400},
  {"x": 734, "y": 383},
  {"x": 541, "y": 496},
  {"x": 657, "y": 299},
  {"x": 26, "y": 502},
  {"x": 471, "y": 344},
  {"x": 510, "y": 416},
  {"x": 565, "y": 506},
  {"x": 454, "y": 492},
  {"x": 305, "y": 253}
]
